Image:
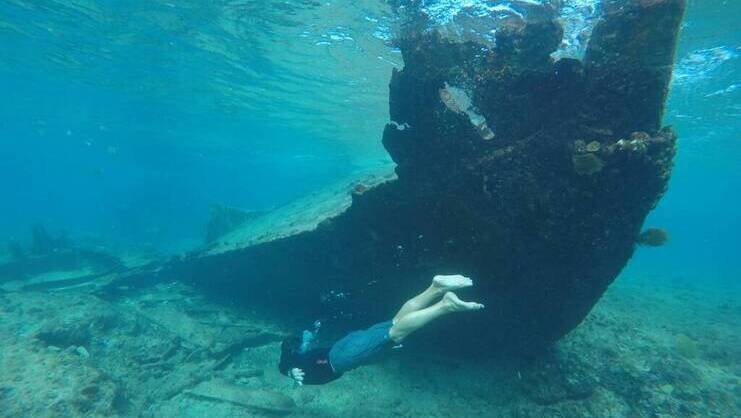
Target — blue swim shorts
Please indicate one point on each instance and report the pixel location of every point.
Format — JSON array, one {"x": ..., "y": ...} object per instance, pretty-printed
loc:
[{"x": 360, "y": 347}]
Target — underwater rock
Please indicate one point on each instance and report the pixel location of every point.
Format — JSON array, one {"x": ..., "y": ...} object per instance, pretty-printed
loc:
[
  {"x": 67, "y": 336},
  {"x": 515, "y": 211},
  {"x": 82, "y": 352},
  {"x": 555, "y": 378}
]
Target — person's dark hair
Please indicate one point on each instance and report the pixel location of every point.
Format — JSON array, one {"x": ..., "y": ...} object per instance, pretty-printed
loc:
[{"x": 289, "y": 352}]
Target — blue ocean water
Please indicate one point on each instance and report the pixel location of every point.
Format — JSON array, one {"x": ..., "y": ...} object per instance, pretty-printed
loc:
[
  {"x": 703, "y": 106},
  {"x": 124, "y": 122}
]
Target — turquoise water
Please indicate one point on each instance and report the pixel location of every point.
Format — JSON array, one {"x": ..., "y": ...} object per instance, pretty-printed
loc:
[
  {"x": 124, "y": 122},
  {"x": 128, "y": 120},
  {"x": 703, "y": 106}
]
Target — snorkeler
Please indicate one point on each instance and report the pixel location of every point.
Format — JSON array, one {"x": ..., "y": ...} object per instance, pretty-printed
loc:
[{"x": 322, "y": 365}]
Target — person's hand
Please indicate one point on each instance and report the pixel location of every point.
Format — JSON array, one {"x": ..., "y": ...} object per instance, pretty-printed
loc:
[{"x": 297, "y": 375}]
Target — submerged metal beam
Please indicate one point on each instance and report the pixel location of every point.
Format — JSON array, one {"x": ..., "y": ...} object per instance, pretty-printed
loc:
[{"x": 530, "y": 175}]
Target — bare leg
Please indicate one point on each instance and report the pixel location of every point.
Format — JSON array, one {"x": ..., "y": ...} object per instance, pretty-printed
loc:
[
  {"x": 413, "y": 321},
  {"x": 440, "y": 285}
]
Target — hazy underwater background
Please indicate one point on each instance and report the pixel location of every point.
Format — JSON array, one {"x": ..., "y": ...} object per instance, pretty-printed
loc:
[{"x": 123, "y": 122}]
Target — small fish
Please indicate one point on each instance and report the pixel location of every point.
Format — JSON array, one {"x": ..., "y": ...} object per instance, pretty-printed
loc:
[{"x": 653, "y": 237}]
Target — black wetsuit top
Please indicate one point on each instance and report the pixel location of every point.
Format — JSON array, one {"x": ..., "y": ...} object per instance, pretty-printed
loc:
[{"x": 314, "y": 363}]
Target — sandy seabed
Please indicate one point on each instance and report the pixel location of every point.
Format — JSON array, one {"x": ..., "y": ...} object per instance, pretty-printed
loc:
[{"x": 650, "y": 348}]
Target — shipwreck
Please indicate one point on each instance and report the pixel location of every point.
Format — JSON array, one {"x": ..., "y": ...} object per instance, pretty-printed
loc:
[{"x": 530, "y": 174}]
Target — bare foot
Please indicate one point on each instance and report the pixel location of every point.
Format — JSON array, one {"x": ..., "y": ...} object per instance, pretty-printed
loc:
[
  {"x": 456, "y": 305},
  {"x": 444, "y": 283}
]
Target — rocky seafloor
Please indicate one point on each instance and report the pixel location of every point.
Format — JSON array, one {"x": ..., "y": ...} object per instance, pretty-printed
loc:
[{"x": 651, "y": 348}]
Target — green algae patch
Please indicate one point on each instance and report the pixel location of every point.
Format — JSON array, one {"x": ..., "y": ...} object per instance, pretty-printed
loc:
[
  {"x": 593, "y": 146},
  {"x": 587, "y": 164}
]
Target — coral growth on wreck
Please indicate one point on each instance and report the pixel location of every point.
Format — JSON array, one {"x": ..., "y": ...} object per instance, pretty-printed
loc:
[{"x": 587, "y": 164}]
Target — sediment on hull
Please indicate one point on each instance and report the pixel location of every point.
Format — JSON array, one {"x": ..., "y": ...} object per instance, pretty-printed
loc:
[{"x": 532, "y": 176}]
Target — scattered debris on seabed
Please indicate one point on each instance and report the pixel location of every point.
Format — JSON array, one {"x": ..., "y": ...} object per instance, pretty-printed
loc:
[{"x": 647, "y": 350}]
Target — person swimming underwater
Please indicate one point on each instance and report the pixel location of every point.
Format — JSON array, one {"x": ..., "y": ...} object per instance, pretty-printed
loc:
[{"x": 322, "y": 365}]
